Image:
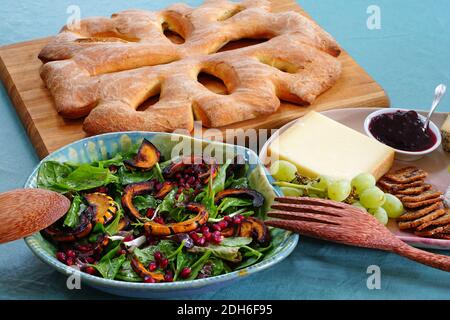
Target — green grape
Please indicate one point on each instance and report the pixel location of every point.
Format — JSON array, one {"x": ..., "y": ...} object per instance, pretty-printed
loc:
[
  {"x": 283, "y": 170},
  {"x": 359, "y": 205},
  {"x": 363, "y": 181},
  {"x": 291, "y": 192},
  {"x": 323, "y": 182},
  {"x": 380, "y": 214},
  {"x": 372, "y": 198},
  {"x": 393, "y": 206},
  {"x": 339, "y": 190}
]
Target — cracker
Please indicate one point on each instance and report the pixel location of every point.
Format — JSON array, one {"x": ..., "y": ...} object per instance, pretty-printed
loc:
[
  {"x": 407, "y": 175},
  {"x": 431, "y": 231},
  {"x": 393, "y": 187},
  {"x": 419, "y": 204},
  {"x": 415, "y": 223},
  {"x": 443, "y": 236},
  {"x": 430, "y": 194},
  {"x": 412, "y": 215},
  {"x": 414, "y": 191},
  {"x": 442, "y": 221}
]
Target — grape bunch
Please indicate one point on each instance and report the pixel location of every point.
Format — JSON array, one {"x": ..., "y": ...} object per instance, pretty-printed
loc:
[{"x": 361, "y": 192}]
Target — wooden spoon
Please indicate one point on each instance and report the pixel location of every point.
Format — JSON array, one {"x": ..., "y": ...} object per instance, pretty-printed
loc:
[
  {"x": 27, "y": 211},
  {"x": 346, "y": 224}
]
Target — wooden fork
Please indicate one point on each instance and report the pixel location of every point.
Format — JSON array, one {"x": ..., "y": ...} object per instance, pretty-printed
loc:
[{"x": 346, "y": 224}]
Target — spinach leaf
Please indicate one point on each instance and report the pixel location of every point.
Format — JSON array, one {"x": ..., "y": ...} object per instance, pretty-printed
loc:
[
  {"x": 158, "y": 172},
  {"x": 231, "y": 202},
  {"x": 144, "y": 202},
  {"x": 218, "y": 266},
  {"x": 145, "y": 255},
  {"x": 117, "y": 161},
  {"x": 111, "y": 253},
  {"x": 51, "y": 175},
  {"x": 129, "y": 177},
  {"x": 88, "y": 177},
  {"x": 198, "y": 265},
  {"x": 169, "y": 206},
  {"x": 231, "y": 254},
  {"x": 248, "y": 262},
  {"x": 110, "y": 267},
  {"x": 126, "y": 273},
  {"x": 236, "y": 241},
  {"x": 184, "y": 259},
  {"x": 73, "y": 215},
  {"x": 112, "y": 228},
  {"x": 219, "y": 182}
]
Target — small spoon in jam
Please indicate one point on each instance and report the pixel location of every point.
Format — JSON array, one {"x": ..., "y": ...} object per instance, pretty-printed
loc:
[{"x": 438, "y": 94}]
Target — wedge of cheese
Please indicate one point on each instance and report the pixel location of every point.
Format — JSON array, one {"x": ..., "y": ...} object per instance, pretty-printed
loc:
[
  {"x": 445, "y": 131},
  {"x": 318, "y": 145}
]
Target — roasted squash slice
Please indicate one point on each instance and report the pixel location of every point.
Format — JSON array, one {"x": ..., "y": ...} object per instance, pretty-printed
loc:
[
  {"x": 146, "y": 158},
  {"x": 139, "y": 268},
  {"x": 156, "y": 229},
  {"x": 256, "y": 197},
  {"x": 64, "y": 235},
  {"x": 166, "y": 188},
  {"x": 256, "y": 229},
  {"x": 208, "y": 167},
  {"x": 133, "y": 190},
  {"x": 103, "y": 206}
]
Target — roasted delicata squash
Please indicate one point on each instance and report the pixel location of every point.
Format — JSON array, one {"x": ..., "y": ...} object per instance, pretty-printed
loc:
[
  {"x": 200, "y": 219},
  {"x": 146, "y": 158},
  {"x": 256, "y": 229},
  {"x": 103, "y": 206},
  {"x": 133, "y": 190},
  {"x": 256, "y": 197},
  {"x": 166, "y": 188},
  {"x": 140, "y": 269},
  {"x": 64, "y": 235}
]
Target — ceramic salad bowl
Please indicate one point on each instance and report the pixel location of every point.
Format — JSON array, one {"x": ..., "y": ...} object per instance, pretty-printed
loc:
[{"x": 106, "y": 146}]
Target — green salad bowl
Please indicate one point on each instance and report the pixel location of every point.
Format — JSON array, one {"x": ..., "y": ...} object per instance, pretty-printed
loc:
[{"x": 106, "y": 146}]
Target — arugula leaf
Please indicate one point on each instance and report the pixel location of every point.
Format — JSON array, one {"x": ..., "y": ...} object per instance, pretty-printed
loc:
[
  {"x": 126, "y": 273},
  {"x": 231, "y": 202},
  {"x": 73, "y": 215},
  {"x": 241, "y": 183},
  {"x": 110, "y": 267},
  {"x": 158, "y": 172},
  {"x": 129, "y": 177},
  {"x": 197, "y": 266},
  {"x": 236, "y": 241}
]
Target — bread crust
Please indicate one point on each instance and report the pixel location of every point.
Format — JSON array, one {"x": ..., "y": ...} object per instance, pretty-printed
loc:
[{"x": 107, "y": 67}]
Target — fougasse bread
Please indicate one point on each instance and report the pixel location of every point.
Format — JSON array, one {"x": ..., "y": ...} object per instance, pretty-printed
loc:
[{"x": 105, "y": 68}]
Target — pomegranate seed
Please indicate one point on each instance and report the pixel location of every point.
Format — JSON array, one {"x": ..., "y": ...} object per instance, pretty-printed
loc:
[
  {"x": 90, "y": 270},
  {"x": 128, "y": 238},
  {"x": 158, "y": 186},
  {"x": 90, "y": 260},
  {"x": 122, "y": 252},
  {"x": 223, "y": 224},
  {"x": 149, "y": 280},
  {"x": 198, "y": 230},
  {"x": 61, "y": 256},
  {"x": 178, "y": 175},
  {"x": 238, "y": 219},
  {"x": 158, "y": 256},
  {"x": 159, "y": 220},
  {"x": 185, "y": 273},
  {"x": 207, "y": 236},
  {"x": 152, "y": 266},
  {"x": 182, "y": 181},
  {"x": 69, "y": 261},
  {"x": 163, "y": 263},
  {"x": 112, "y": 169},
  {"x": 150, "y": 213},
  {"x": 168, "y": 277},
  {"x": 201, "y": 241},
  {"x": 193, "y": 235},
  {"x": 191, "y": 180},
  {"x": 227, "y": 219},
  {"x": 180, "y": 190},
  {"x": 205, "y": 229},
  {"x": 217, "y": 227},
  {"x": 216, "y": 237},
  {"x": 71, "y": 253}
]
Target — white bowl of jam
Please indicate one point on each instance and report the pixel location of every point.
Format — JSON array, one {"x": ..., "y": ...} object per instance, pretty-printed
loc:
[{"x": 402, "y": 130}]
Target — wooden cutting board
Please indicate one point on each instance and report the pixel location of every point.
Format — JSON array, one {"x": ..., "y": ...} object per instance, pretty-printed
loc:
[{"x": 19, "y": 71}]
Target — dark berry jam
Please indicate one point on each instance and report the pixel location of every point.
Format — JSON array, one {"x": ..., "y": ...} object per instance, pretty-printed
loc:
[{"x": 402, "y": 130}]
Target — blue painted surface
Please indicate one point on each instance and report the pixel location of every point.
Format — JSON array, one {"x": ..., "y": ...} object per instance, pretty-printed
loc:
[{"x": 409, "y": 56}]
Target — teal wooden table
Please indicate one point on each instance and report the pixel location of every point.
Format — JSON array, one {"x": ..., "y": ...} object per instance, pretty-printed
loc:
[{"x": 408, "y": 56}]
